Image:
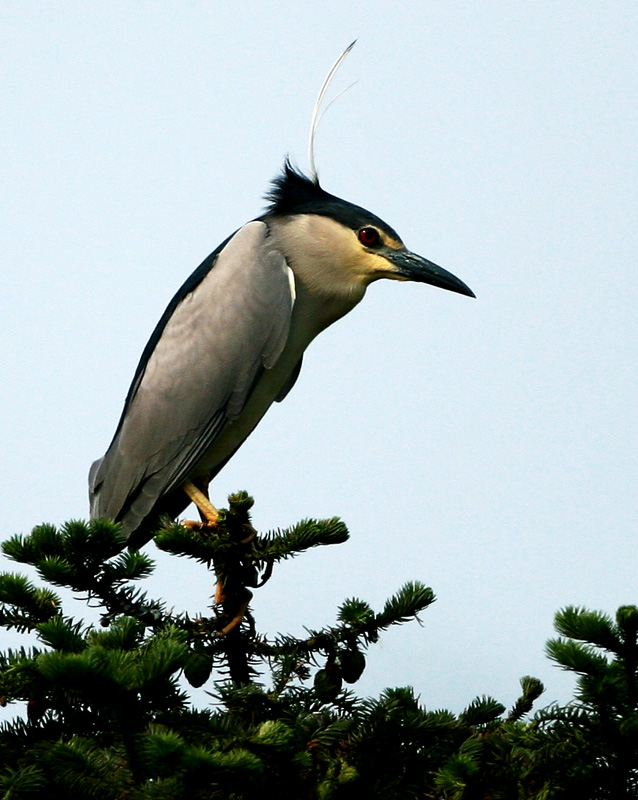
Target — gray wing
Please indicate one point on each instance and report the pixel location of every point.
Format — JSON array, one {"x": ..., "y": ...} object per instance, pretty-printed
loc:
[{"x": 198, "y": 377}]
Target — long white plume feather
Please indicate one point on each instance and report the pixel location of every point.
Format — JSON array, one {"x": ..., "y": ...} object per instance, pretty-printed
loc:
[{"x": 317, "y": 113}]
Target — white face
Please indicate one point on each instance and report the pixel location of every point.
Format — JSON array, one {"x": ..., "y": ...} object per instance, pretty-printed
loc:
[{"x": 331, "y": 258}]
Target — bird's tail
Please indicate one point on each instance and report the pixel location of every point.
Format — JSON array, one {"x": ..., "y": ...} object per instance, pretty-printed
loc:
[{"x": 93, "y": 488}]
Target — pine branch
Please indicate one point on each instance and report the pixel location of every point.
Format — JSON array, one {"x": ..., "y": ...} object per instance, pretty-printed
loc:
[
  {"x": 588, "y": 626},
  {"x": 21, "y": 782},
  {"x": 86, "y": 558},
  {"x": 341, "y": 645},
  {"x": 532, "y": 690},
  {"x": 287, "y": 543},
  {"x": 576, "y": 657},
  {"x": 405, "y": 605},
  {"x": 22, "y": 605},
  {"x": 481, "y": 711}
]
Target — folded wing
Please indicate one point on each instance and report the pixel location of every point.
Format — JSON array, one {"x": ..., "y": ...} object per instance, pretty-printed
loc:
[{"x": 226, "y": 325}]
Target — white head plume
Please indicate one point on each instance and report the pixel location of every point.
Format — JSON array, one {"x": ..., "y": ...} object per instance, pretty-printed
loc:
[{"x": 317, "y": 113}]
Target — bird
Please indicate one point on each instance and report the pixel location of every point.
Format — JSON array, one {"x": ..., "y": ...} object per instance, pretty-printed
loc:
[{"x": 232, "y": 339}]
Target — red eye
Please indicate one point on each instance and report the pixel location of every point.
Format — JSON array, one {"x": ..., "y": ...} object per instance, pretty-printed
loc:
[{"x": 369, "y": 236}]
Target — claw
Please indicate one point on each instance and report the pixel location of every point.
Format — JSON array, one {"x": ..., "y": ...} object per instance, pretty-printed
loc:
[{"x": 196, "y": 525}]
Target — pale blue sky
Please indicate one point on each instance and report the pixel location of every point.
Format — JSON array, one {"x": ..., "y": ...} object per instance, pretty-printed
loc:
[{"x": 485, "y": 447}]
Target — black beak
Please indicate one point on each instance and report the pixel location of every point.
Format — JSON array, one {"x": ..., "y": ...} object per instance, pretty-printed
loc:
[{"x": 415, "y": 268}]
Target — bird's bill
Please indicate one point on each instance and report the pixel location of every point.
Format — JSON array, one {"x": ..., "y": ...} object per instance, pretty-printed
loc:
[{"x": 412, "y": 267}]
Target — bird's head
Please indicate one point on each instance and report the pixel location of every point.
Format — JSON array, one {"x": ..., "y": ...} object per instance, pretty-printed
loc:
[{"x": 334, "y": 245}]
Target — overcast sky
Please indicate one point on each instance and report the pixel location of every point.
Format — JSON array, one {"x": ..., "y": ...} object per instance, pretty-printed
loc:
[{"x": 486, "y": 447}]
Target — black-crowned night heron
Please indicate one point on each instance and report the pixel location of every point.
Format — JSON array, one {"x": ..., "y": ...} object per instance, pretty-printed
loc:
[{"x": 231, "y": 342}]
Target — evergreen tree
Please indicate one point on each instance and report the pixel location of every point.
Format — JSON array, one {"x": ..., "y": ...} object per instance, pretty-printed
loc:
[
  {"x": 108, "y": 715},
  {"x": 590, "y": 748}
]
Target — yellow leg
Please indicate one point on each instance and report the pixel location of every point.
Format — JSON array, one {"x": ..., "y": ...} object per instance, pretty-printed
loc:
[
  {"x": 239, "y": 615},
  {"x": 209, "y": 515},
  {"x": 206, "y": 508}
]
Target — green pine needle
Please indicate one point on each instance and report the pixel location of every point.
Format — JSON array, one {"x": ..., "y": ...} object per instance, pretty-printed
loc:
[
  {"x": 302, "y": 536},
  {"x": 481, "y": 711},
  {"x": 62, "y": 634},
  {"x": 405, "y": 604},
  {"x": 593, "y": 627},
  {"x": 576, "y": 657},
  {"x": 355, "y": 612}
]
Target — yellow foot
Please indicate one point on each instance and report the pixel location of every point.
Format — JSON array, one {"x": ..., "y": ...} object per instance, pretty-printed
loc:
[{"x": 201, "y": 527}]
